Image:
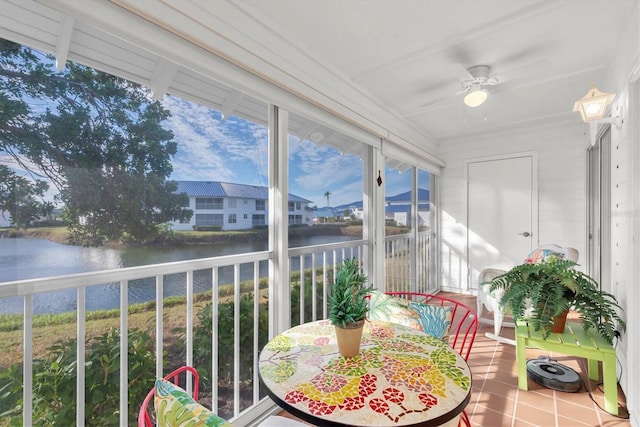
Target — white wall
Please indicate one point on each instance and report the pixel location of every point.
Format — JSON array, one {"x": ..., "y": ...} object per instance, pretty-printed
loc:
[
  {"x": 625, "y": 268},
  {"x": 561, "y": 191},
  {"x": 561, "y": 154},
  {"x": 622, "y": 77}
]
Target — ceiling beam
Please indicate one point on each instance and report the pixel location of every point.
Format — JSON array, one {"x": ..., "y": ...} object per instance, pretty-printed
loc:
[
  {"x": 64, "y": 41},
  {"x": 230, "y": 103},
  {"x": 162, "y": 77}
]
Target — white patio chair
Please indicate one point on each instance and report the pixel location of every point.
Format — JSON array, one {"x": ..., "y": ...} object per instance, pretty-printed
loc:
[{"x": 491, "y": 300}]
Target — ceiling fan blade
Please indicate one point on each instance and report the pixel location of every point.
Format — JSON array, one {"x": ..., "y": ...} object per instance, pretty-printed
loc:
[
  {"x": 459, "y": 71},
  {"x": 538, "y": 69},
  {"x": 441, "y": 93},
  {"x": 491, "y": 81},
  {"x": 432, "y": 106}
]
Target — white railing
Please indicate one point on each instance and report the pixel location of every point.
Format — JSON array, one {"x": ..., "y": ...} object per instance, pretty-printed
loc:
[
  {"x": 399, "y": 253},
  {"x": 317, "y": 264},
  {"x": 239, "y": 274},
  {"x": 28, "y": 289},
  {"x": 424, "y": 260}
]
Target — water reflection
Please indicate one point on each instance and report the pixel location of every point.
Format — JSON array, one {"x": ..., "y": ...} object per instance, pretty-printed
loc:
[{"x": 32, "y": 258}]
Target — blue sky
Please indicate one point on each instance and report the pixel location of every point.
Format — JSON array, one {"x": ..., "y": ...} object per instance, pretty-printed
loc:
[{"x": 234, "y": 150}]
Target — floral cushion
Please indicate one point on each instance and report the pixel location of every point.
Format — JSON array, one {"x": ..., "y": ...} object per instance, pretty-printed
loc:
[
  {"x": 391, "y": 309},
  {"x": 542, "y": 255},
  {"x": 434, "y": 320},
  {"x": 175, "y": 408}
]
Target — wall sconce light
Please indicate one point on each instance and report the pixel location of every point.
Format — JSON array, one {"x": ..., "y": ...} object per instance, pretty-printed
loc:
[{"x": 592, "y": 108}]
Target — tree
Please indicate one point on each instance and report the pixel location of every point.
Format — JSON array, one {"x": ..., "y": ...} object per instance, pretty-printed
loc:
[
  {"x": 327, "y": 194},
  {"x": 97, "y": 138},
  {"x": 18, "y": 198}
]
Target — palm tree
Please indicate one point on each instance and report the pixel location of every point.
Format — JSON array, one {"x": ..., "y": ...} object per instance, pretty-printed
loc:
[{"x": 327, "y": 194}]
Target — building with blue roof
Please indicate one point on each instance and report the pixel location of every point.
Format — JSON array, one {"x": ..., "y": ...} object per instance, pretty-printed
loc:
[
  {"x": 323, "y": 215},
  {"x": 397, "y": 208},
  {"x": 229, "y": 206}
]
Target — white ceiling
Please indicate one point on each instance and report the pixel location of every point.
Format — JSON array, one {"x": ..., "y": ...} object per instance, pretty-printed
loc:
[
  {"x": 378, "y": 58},
  {"x": 546, "y": 54}
]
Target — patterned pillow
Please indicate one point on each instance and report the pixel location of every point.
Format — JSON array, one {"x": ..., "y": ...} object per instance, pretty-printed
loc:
[
  {"x": 434, "y": 319},
  {"x": 542, "y": 255},
  {"x": 391, "y": 309},
  {"x": 431, "y": 319},
  {"x": 175, "y": 408}
]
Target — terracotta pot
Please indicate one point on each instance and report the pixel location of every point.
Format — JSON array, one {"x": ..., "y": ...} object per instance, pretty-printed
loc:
[
  {"x": 559, "y": 322},
  {"x": 349, "y": 339}
]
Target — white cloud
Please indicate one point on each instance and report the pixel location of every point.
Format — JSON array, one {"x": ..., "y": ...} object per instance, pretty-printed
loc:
[
  {"x": 317, "y": 169},
  {"x": 230, "y": 150}
]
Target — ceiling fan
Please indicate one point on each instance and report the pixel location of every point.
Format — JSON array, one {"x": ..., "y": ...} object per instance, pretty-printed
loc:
[{"x": 474, "y": 82}]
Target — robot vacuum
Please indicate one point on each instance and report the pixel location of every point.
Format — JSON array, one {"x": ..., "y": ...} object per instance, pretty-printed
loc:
[{"x": 554, "y": 375}]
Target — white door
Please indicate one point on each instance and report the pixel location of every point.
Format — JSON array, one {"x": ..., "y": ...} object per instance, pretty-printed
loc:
[{"x": 502, "y": 212}]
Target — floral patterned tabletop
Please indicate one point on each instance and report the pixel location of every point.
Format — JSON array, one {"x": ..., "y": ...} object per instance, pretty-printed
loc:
[{"x": 401, "y": 377}]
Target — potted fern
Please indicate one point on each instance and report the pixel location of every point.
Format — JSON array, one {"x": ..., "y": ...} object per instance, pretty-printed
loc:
[
  {"x": 544, "y": 292},
  {"x": 348, "y": 306}
]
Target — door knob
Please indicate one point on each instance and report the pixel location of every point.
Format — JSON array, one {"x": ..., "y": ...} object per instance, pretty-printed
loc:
[{"x": 525, "y": 234}]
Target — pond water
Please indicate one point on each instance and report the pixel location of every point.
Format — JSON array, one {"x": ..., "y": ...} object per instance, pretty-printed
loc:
[{"x": 33, "y": 258}]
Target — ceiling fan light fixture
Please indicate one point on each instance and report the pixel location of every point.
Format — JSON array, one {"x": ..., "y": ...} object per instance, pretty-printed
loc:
[
  {"x": 593, "y": 105},
  {"x": 475, "y": 97}
]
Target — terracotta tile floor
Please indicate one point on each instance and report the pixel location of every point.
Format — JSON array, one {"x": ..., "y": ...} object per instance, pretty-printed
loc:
[{"x": 496, "y": 400}]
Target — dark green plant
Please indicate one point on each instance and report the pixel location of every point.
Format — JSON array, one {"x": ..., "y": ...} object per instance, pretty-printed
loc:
[
  {"x": 101, "y": 142},
  {"x": 308, "y": 295},
  {"x": 54, "y": 381},
  {"x": 348, "y": 299},
  {"x": 11, "y": 396},
  {"x": 22, "y": 198},
  {"x": 202, "y": 336},
  {"x": 541, "y": 291},
  {"x": 103, "y": 375}
]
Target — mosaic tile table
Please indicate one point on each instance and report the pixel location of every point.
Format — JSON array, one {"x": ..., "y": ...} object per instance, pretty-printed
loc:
[{"x": 401, "y": 377}]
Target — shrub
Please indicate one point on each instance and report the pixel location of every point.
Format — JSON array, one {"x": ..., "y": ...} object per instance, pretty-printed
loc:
[
  {"x": 308, "y": 297},
  {"x": 54, "y": 381},
  {"x": 203, "y": 334},
  {"x": 103, "y": 375},
  {"x": 11, "y": 395},
  {"x": 207, "y": 227},
  {"x": 165, "y": 232}
]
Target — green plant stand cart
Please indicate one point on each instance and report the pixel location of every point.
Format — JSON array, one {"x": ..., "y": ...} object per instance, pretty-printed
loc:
[{"x": 574, "y": 342}]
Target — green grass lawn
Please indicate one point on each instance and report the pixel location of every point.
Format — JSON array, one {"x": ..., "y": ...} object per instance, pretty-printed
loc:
[{"x": 49, "y": 328}]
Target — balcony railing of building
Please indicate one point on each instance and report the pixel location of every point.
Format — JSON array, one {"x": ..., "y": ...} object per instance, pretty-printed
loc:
[{"x": 220, "y": 333}]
